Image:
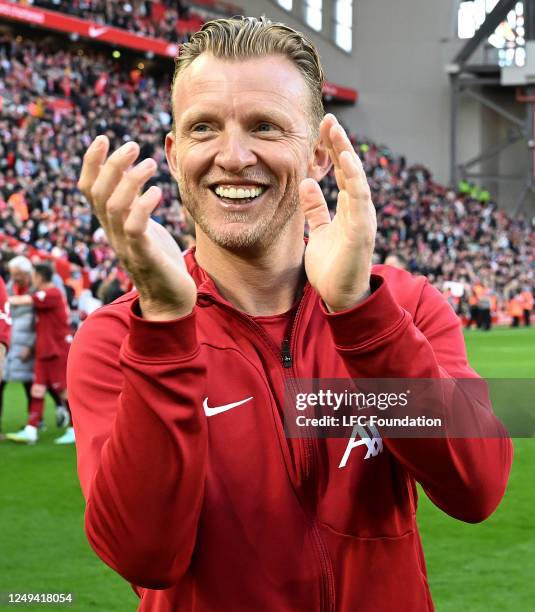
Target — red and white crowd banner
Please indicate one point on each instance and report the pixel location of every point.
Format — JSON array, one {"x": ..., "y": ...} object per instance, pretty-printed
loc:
[{"x": 88, "y": 29}]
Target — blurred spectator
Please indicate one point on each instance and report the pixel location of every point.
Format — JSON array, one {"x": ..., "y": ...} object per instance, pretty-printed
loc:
[
  {"x": 526, "y": 296},
  {"x": 87, "y": 303},
  {"x": 18, "y": 365},
  {"x": 146, "y": 17},
  {"x": 515, "y": 309},
  {"x": 484, "y": 305},
  {"x": 396, "y": 261}
]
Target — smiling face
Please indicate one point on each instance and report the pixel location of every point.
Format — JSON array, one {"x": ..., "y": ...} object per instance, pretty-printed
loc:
[{"x": 242, "y": 146}]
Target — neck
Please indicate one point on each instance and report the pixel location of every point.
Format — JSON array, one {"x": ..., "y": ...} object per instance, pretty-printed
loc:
[{"x": 264, "y": 283}]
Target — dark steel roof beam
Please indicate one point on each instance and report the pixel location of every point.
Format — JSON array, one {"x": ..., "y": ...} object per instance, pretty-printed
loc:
[{"x": 493, "y": 20}]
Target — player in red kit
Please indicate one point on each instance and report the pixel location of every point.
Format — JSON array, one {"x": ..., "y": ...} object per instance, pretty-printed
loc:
[{"x": 53, "y": 338}]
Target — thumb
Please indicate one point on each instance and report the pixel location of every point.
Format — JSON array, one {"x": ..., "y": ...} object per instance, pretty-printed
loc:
[{"x": 313, "y": 204}]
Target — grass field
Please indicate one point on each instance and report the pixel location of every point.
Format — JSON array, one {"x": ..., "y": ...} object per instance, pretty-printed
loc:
[{"x": 488, "y": 567}]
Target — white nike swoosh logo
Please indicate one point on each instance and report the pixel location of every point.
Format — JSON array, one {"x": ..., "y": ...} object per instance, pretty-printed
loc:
[
  {"x": 218, "y": 409},
  {"x": 95, "y": 32}
]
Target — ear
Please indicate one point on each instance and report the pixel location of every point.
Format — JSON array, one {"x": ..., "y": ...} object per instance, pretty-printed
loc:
[
  {"x": 170, "y": 154},
  {"x": 320, "y": 163}
]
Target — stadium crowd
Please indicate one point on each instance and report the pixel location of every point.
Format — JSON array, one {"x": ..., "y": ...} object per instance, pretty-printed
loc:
[
  {"x": 482, "y": 259},
  {"x": 151, "y": 18},
  {"x": 53, "y": 103}
]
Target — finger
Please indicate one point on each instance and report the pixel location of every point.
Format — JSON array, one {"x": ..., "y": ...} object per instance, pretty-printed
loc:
[
  {"x": 340, "y": 141},
  {"x": 130, "y": 185},
  {"x": 355, "y": 202},
  {"x": 330, "y": 128},
  {"x": 341, "y": 144},
  {"x": 328, "y": 122},
  {"x": 313, "y": 204},
  {"x": 140, "y": 212},
  {"x": 111, "y": 173},
  {"x": 357, "y": 185},
  {"x": 340, "y": 178},
  {"x": 93, "y": 158}
]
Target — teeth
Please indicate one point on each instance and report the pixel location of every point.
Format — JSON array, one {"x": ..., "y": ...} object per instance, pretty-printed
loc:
[{"x": 238, "y": 193}]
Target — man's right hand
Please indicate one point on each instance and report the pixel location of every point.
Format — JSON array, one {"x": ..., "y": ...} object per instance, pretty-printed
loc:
[{"x": 146, "y": 249}]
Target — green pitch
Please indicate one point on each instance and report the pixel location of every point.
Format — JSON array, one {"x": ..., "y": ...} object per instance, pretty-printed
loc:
[{"x": 488, "y": 567}]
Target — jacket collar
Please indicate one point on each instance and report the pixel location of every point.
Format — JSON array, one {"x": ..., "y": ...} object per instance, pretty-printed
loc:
[{"x": 206, "y": 288}]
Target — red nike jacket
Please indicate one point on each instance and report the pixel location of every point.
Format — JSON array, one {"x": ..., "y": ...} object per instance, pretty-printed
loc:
[{"x": 224, "y": 513}]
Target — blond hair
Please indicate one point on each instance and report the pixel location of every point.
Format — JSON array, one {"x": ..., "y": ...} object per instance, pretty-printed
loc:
[{"x": 252, "y": 37}]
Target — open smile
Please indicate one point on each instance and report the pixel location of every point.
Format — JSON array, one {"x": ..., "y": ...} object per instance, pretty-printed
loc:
[{"x": 236, "y": 196}]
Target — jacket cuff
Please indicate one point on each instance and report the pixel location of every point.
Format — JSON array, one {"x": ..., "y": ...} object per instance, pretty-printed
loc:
[
  {"x": 162, "y": 340},
  {"x": 369, "y": 320}
]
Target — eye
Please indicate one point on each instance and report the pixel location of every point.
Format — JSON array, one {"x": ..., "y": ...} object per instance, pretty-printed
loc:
[
  {"x": 200, "y": 127},
  {"x": 264, "y": 126}
]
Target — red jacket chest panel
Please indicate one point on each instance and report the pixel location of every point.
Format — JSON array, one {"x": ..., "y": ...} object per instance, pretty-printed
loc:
[{"x": 249, "y": 450}]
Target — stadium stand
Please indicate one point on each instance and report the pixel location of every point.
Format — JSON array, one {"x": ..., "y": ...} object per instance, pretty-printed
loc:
[
  {"x": 53, "y": 103},
  {"x": 167, "y": 19}
]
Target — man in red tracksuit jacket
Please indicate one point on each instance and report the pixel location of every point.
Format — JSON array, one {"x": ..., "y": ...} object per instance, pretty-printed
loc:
[{"x": 194, "y": 493}]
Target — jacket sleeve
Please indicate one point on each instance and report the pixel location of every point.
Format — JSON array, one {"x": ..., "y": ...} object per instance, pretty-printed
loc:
[
  {"x": 465, "y": 477},
  {"x": 5, "y": 318},
  {"x": 46, "y": 299},
  {"x": 141, "y": 441}
]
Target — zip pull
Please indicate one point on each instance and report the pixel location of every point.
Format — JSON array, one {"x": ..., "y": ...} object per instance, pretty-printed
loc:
[{"x": 286, "y": 355}]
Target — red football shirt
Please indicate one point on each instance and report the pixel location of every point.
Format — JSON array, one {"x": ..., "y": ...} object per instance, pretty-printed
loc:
[{"x": 52, "y": 323}]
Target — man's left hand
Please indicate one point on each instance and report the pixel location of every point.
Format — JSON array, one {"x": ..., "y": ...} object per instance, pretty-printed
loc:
[{"x": 338, "y": 256}]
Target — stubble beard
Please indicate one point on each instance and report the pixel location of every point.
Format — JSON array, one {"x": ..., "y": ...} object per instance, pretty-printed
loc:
[{"x": 252, "y": 236}]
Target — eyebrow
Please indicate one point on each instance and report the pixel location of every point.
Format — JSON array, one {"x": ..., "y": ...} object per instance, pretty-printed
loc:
[{"x": 191, "y": 117}]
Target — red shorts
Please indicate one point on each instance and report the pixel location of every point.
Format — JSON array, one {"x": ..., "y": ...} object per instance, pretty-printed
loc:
[{"x": 51, "y": 372}]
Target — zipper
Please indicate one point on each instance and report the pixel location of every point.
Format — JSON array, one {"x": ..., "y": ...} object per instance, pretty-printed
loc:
[
  {"x": 307, "y": 441},
  {"x": 286, "y": 355},
  {"x": 328, "y": 586},
  {"x": 287, "y": 349}
]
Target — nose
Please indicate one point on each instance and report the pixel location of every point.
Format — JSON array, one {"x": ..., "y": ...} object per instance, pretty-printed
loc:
[{"x": 234, "y": 152}]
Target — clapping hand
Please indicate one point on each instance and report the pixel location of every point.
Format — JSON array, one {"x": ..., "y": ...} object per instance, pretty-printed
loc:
[
  {"x": 338, "y": 256},
  {"x": 146, "y": 249}
]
